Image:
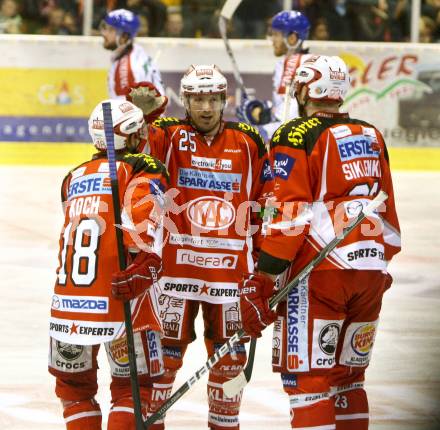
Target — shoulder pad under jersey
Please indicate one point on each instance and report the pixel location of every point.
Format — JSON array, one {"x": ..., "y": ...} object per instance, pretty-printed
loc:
[
  {"x": 367, "y": 124},
  {"x": 63, "y": 196},
  {"x": 146, "y": 163},
  {"x": 300, "y": 133},
  {"x": 251, "y": 132},
  {"x": 167, "y": 121}
]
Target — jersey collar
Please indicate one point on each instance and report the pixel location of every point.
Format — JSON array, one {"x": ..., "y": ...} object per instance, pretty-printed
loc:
[{"x": 343, "y": 115}]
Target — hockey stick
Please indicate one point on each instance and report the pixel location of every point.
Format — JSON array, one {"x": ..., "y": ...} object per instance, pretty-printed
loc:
[
  {"x": 287, "y": 100},
  {"x": 274, "y": 300},
  {"x": 235, "y": 385},
  {"x": 232, "y": 387},
  {"x": 225, "y": 15},
  {"x": 108, "y": 129},
  {"x": 212, "y": 361}
]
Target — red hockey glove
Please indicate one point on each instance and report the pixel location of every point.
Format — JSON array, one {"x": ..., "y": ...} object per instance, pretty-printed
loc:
[
  {"x": 147, "y": 98},
  {"x": 145, "y": 269},
  {"x": 255, "y": 291}
]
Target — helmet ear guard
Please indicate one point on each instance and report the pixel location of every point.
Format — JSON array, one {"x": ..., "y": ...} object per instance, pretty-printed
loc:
[{"x": 130, "y": 125}]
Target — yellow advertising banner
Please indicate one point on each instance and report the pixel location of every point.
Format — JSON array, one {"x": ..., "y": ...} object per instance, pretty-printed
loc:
[{"x": 51, "y": 92}]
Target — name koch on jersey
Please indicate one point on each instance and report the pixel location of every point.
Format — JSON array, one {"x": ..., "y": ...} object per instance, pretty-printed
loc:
[{"x": 212, "y": 181}]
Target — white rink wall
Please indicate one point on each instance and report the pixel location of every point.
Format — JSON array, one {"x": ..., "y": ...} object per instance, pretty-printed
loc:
[{"x": 395, "y": 86}]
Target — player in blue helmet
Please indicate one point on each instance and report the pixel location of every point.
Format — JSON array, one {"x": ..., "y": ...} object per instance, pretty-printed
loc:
[
  {"x": 130, "y": 63},
  {"x": 291, "y": 23},
  {"x": 289, "y": 29},
  {"x": 123, "y": 21}
]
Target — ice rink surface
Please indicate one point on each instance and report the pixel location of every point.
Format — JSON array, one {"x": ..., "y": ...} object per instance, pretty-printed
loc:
[{"x": 403, "y": 380}]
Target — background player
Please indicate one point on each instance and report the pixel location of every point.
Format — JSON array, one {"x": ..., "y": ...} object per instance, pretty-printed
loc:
[
  {"x": 217, "y": 167},
  {"x": 84, "y": 314},
  {"x": 130, "y": 63},
  {"x": 289, "y": 30},
  {"x": 326, "y": 167}
]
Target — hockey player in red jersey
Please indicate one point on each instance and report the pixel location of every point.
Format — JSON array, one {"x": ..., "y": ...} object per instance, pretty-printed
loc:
[
  {"x": 130, "y": 63},
  {"x": 326, "y": 166},
  {"x": 289, "y": 29},
  {"x": 87, "y": 308},
  {"x": 216, "y": 168}
]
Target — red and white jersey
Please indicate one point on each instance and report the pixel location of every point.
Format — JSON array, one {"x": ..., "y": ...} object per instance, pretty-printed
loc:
[
  {"x": 208, "y": 234},
  {"x": 325, "y": 169},
  {"x": 133, "y": 66},
  {"x": 284, "y": 73},
  {"x": 83, "y": 310}
]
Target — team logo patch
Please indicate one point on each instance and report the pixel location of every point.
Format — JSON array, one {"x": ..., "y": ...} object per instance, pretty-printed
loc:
[
  {"x": 232, "y": 319},
  {"x": 341, "y": 131},
  {"x": 172, "y": 352},
  {"x": 358, "y": 344},
  {"x": 213, "y": 181},
  {"x": 171, "y": 314},
  {"x": 154, "y": 353},
  {"x": 125, "y": 107},
  {"x": 68, "y": 351},
  {"x": 363, "y": 339},
  {"x": 357, "y": 146},
  {"x": 206, "y": 242},
  {"x": 211, "y": 213},
  {"x": 277, "y": 339},
  {"x": 325, "y": 342},
  {"x": 205, "y": 260},
  {"x": 297, "y": 328},
  {"x": 96, "y": 183},
  {"x": 83, "y": 304},
  {"x": 266, "y": 172},
  {"x": 289, "y": 380},
  {"x": 55, "y": 302},
  {"x": 211, "y": 163},
  {"x": 118, "y": 351},
  {"x": 283, "y": 165},
  {"x": 328, "y": 338}
]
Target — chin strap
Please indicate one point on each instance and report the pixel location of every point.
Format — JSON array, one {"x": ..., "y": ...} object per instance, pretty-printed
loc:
[
  {"x": 293, "y": 49},
  {"x": 121, "y": 48}
]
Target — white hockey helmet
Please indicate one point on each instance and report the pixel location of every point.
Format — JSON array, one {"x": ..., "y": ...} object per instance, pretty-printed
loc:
[
  {"x": 326, "y": 78},
  {"x": 127, "y": 119},
  {"x": 203, "y": 79}
]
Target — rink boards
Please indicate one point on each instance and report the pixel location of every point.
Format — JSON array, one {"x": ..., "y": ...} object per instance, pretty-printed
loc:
[{"x": 72, "y": 154}]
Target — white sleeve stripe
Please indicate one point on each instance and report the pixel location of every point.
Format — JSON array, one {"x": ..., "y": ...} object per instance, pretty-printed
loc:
[
  {"x": 390, "y": 235},
  {"x": 82, "y": 415},
  {"x": 131, "y": 278},
  {"x": 303, "y": 218},
  {"x": 323, "y": 190},
  {"x": 122, "y": 409},
  {"x": 324, "y": 427},
  {"x": 352, "y": 417}
]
